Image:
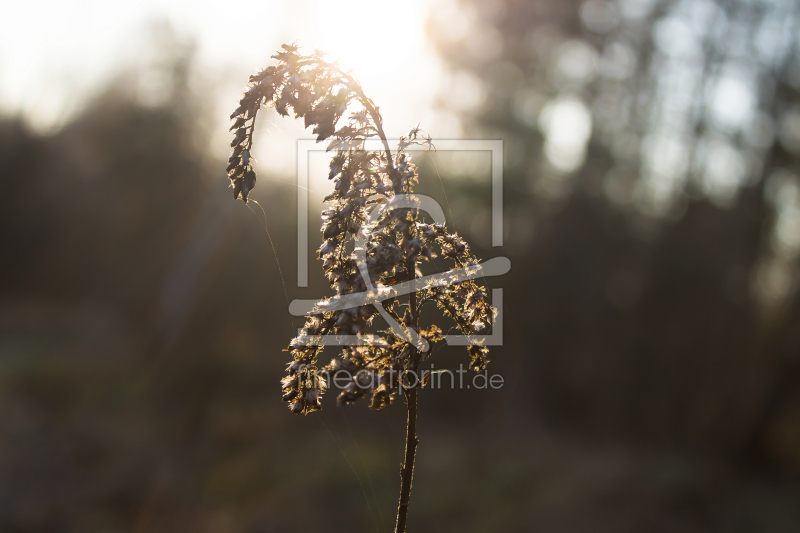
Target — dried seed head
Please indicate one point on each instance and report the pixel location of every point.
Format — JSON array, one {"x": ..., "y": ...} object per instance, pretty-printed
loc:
[
  {"x": 312, "y": 399},
  {"x": 316, "y": 90},
  {"x": 289, "y": 395}
]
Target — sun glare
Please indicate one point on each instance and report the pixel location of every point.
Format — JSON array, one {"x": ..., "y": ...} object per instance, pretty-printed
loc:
[
  {"x": 383, "y": 43},
  {"x": 370, "y": 36}
]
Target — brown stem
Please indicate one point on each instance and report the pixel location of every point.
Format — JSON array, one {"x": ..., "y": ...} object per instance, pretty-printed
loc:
[
  {"x": 376, "y": 117},
  {"x": 407, "y": 469}
]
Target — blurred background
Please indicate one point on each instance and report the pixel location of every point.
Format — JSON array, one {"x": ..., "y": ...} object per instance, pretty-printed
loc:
[{"x": 651, "y": 317}]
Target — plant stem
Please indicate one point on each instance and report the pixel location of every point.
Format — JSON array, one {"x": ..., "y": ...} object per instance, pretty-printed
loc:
[
  {"x": 407, "y": 470},
  {"x": 376, "y": 117}
]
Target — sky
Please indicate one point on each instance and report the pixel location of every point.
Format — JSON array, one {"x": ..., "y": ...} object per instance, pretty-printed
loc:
[{"x": 55, "y": 54}]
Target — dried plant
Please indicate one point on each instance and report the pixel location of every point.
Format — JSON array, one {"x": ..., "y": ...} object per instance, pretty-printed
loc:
[{"x": 374, "y": 239}]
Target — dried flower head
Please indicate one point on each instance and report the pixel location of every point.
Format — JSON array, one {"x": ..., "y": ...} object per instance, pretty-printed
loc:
[{"x": 394, "y": 244}]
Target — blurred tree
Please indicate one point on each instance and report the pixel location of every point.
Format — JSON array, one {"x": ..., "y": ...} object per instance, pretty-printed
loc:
[
  {"x": 126, "y": 379},
  {"x": 656, "y": 144}
]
